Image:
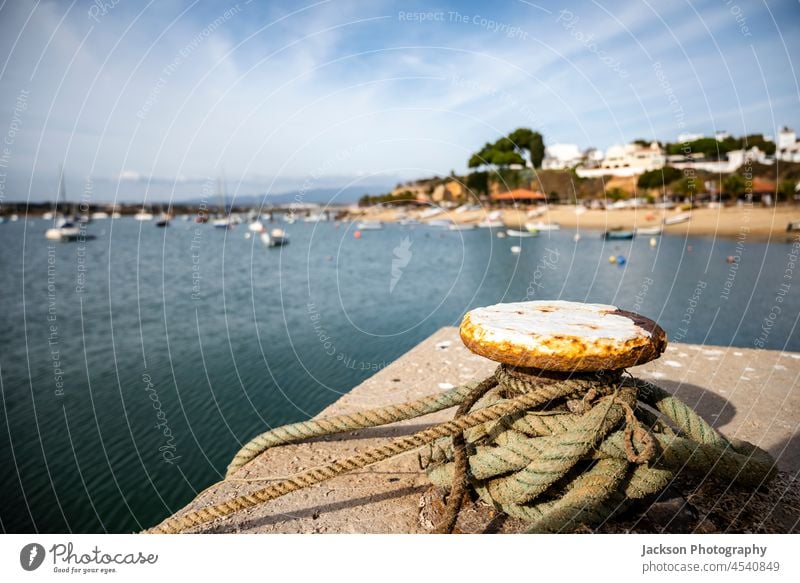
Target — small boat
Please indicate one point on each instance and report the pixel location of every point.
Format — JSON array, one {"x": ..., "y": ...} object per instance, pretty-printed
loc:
[
  {"x": 618, "y": 234},
  {"x": 116, "y": 215},
  {"x": 463, "y": 227},
  {"x": 255, "y": 226},
  {"x": 64, "y": 231},
  {"x": 407, "y": 222},
  {"x": 14, "y": 218},
  {"x": 99, "y": 215},
  {"x": 540, "y": 226},
  {"x": 369, "y": 226},
  {"x": 431, "y": 212},
  {"x": 677, "y": 219},
  {"x": 143, "y": 216},
  {"x": 516, "y": 249},
  {"x": 223, "y": 223},
  {"x": 536, "y": 212},
  {"x": 516, "y": 233},
  {"x": 315, "y": 218},
  {"x": 163, "y": 221},
  {"x": 648, "y": 230},
  {"x": 276, "y": 238},
  {"x": 201, "y": 218},
  {"x": 793, "y": 227},
  {"x": 489, "y": 224},
  {"x": 443, "y": 223}
]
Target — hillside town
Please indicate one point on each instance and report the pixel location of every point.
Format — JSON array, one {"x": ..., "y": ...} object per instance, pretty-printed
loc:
[{"x": 695, "y": 168}]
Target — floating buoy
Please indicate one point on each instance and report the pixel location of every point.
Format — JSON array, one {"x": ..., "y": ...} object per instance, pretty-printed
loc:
[
  {"x": 730, "y": 259},
  {"x": 612, "y": 258},
  {"x": 516, "y": 249},
  {"x": 247, "y": 235},
  {"x": 501, "y": 235},
  {"x": 620, "y": 260},
  {"x": 653, "y": 241},
  {"x": 577, "y": 237},
  {"x": 357, "y": 234}
]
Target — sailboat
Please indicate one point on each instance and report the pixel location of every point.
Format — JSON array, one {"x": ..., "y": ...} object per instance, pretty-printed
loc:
[
  {"x": 223, "y": 222},
  {"x": 64, "y": 229}
]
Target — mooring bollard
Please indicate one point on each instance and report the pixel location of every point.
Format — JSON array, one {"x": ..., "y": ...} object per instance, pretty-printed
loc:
[{"x": 558, "y": 436}]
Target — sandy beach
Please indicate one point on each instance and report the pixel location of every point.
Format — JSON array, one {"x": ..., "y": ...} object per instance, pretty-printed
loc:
[{"x": 763, "y": 223}]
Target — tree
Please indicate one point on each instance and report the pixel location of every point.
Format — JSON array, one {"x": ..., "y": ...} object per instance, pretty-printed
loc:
[
  {"x": 733, "y": 185},
  {"x": 520, "y": 145},
  {"x": 530, "y": 142},
  {"x": 478, "y": 182},
  {"x": 659, "y": 178}
]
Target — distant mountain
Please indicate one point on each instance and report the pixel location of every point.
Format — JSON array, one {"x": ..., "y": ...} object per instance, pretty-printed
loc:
[{"x": 335, "y": 196}]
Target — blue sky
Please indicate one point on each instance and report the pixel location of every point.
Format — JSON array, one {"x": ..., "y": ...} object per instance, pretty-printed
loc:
[{"x": 154, "y": 99}]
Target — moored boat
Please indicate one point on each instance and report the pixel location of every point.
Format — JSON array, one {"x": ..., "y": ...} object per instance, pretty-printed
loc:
[
  {"x": 275, "y": 238},
  {"x": 677, "y": 219},
  {"x": 540, "y": 226},
  {"x": 369, "y": 226},
  {"x": 618, "y": 234},
  {"x": 516, "y": 233},
  {"x": 648, "y": 230}
]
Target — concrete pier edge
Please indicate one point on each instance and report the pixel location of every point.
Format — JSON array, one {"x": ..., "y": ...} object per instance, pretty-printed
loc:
[{"x": 745, "y": 393}]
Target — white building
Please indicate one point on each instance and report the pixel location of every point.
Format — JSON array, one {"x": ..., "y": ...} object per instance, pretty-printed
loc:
[
  {"x": 787, "y": 149},
  {"x": 627, "y": 160},
  {"x": 734, "y": 160},
  {"x": 561, "y": 156}
]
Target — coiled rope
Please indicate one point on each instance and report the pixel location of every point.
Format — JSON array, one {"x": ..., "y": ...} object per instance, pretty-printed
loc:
[{"x": 556, "y": 450}]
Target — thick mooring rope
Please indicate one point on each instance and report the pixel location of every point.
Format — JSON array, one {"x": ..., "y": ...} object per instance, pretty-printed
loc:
[{"x": 554, "y": 450}]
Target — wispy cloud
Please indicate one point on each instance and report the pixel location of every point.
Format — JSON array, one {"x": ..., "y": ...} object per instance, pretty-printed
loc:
[{"x": 271, "y": 93}]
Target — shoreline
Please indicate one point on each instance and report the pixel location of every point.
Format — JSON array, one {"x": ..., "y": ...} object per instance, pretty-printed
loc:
[{"x": 755, "y": 223}]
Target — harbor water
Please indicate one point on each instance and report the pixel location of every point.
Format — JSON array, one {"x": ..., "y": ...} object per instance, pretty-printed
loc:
[{"x": 135, "y": 364}]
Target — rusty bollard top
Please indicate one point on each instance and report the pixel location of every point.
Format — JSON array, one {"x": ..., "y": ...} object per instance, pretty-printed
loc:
[{"x": 562, "y": 336}]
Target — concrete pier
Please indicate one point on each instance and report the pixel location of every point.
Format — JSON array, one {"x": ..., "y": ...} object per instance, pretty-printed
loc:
[{"x": 745, "y": 393}]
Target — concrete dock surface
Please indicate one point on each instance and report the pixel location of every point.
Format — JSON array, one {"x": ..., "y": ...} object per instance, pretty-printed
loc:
[{"x": 745, "y": 393}]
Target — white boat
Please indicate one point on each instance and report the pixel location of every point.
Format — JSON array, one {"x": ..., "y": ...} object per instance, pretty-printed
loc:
[
  {"x": 223, "y": 223},
  {"x": 431, "y": 212},
  {"x": 116, "y": 215},
  {"x": 315, "y": 218},
  {"x": 14, "y": 218},
  {"x": 64, "y": 231},
  {"x": 275, "y": 238},
  {"x": 516, "y": 249},
  {"x": 463, "y": 227},
  {"x": 516, "y": 233},
  {"x": 48, "y": 216},
  {"x": 407, "y": 222},
  {"x": 540, "y": 226},
  {"x": 488, "y": 224},
  {"x": 289, "y": 218},
  {"x": 677, "y": 219},
  {"x": 255, "y": 226},
  {"x": 648, "y": 230},
  {"x": 536, "y": 212},
  {"x": 99, "y": 215},
  {"x": 443, "y": 223},
  {"x": 143, "y": 216},
  {"x": 369, "y": 226},
  {"x": 492, "y": 221}
]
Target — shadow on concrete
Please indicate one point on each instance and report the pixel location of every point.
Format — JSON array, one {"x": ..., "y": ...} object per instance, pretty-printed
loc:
[
  {"x": 787, "y": 454},
  {"x": 321, "y": 509},
  {"x": 712, "y": 407}
]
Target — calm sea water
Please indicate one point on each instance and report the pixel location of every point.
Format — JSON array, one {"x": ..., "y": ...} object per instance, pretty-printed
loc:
[{"x": 133, "y": 366}]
